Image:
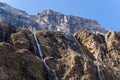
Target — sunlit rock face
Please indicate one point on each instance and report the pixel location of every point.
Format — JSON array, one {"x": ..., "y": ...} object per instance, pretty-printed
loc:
[
  {"x": 65, "y": 56},
  {"x": 51, "y": 20},
  {"x": 113, "y": 45},
  {"x": 93, "y": 43},
  {"x": 105, "y": 49},
  {"x": 113, "y": 42},
  {"x": 47, "y": 20},
  {"x": 83, "y": 56},
  {"x": 16, "y": 17}
]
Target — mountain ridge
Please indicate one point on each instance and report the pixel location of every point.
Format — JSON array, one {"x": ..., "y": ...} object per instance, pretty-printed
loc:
[
  {"x": 48, "y": 20},
  {"x": 54, "y": 46}
]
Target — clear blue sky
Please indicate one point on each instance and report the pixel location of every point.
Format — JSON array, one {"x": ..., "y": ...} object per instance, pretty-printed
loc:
[{"x": 106, "y": 12}]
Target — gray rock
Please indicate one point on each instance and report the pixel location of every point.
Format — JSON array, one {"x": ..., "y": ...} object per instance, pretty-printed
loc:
[{"x": 47, "y": 20}]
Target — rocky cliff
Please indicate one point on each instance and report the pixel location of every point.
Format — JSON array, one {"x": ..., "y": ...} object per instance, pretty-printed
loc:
[
  {"x": 16, "y": 17},
  {"x": 47, "y": 20},
  {"x": 52, "y": 20},
  {"x": 82, "y": 56}
]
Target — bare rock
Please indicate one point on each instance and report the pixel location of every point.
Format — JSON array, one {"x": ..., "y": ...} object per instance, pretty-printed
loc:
[
  {"x": 19, "y": 65},
  {"x": 93, "y": 43}
]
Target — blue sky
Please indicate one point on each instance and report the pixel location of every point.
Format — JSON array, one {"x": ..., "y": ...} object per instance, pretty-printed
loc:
[{"x": 106, "y": 12}]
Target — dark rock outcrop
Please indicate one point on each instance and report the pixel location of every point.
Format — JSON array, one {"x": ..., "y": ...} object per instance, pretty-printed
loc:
[
  {"x": 18, "y": 60},
  {"x": 20, "y": 64}
]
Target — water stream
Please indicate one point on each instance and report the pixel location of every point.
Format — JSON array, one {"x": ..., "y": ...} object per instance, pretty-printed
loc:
[
  {"x": 98, "y": 69},
  {"x": 96, "y": 63},
  {"x": 49, "y": 69},
  {"x": 38, "y": 46},
  {"x": 43, "y": 60},
  {"x": 79, "y": 46}
]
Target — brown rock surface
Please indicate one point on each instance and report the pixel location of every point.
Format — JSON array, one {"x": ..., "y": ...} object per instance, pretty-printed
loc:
[
  {"x": 19, "y": 65},
  {"x": 6, "y": 31},
  {"x": 16, "y": 61},
  {"x": 113, "y": 45},
  {"x": 95, "y": 57},
  {"x": 65, "y": 56},
  {"x": 105, "y": 50},
  {"x": 93, "y": 43}
]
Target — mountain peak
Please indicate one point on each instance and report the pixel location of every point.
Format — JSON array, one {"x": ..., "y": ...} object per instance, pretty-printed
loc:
[
  {"x": 11, "y": 9},
  {"x": 3, "y": 4},
  {"x": 50, "y": 12},
  {"x": 48, "y": 20},
  {"x": 53, "y": 20}
]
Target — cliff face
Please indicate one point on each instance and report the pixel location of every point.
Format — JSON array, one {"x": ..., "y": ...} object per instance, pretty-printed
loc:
[
  {"x": 83, "y": 56},
  {"x": 17, "y": 61},
  {"x": 51, "y": 20},
  {"x": 47, "y": 20},
  {"x": 105, "y": 50}
]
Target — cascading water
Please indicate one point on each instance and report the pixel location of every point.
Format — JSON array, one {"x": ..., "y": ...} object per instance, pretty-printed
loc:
[
  {"x": 43, "y": 60},
  {"x": 98, "y": 69},
  {"x": 96, "y": 63},
  {"x": 38, "y": 46},
  {"x": 49, "y": 69}
]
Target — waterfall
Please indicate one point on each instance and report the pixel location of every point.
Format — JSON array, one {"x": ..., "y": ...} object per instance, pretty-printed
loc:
[
  {"x": 98, "y": 69},
  {"x": 43, "y": 60},
  {"x": 38, "y": 46},
  {"x": 49, "y": 69},
  {"x": 96, "y": 63}
]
